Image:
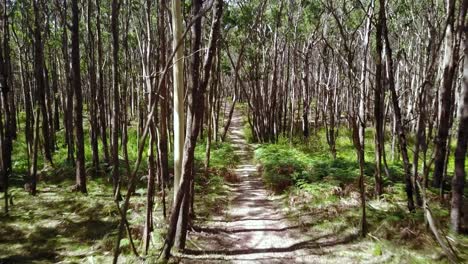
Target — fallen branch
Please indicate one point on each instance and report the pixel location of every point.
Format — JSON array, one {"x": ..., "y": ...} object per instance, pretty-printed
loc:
[{"x": 441, "y": 239}]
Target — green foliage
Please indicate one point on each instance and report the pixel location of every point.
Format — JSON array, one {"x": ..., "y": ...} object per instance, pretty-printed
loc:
[
  {"x": 284, "y": 165},
  {"x": 222, "y": 155},
  {"x": 377, "y": 251},
  {"x": 60, "y": 225}
]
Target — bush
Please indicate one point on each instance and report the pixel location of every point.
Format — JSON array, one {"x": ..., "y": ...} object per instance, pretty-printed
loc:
[{"x": 284, "y": 165}]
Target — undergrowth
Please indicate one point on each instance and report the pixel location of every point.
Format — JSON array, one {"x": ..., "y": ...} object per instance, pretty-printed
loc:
[
  {"x": 312, "y": 182},
  {"x": 58, "y": 225}
]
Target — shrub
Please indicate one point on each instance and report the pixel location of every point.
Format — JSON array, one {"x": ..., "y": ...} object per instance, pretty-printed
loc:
[{"x": 284, "y": 165}]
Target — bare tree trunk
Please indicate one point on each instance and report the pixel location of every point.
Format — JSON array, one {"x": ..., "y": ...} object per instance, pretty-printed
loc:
[
  {"x": 116, "y": 96},
  {"x": 229, "y": 119},
  {"x": 78, "y": 103},
  {"x": 211, "y": 103},
  {"x": 195, "y": 103},
  {"x": 150, "y": 193},
  {"x": 68, "y": 106},
  {"x": 164, "y": 101},
  {"x": 92, "y": 87},
  {"x": 100, "y": 90},
  {"x": 195, "y": 115},
  {"x": 6, "y": 129},
  {"x": 178, "y": 82},
  {"x": 452, "y": 43},
  {"x": 379, "y": 107},
  {"x": 40, "y": 80},
  {"x": 33, "y": 169},
  {"x": 305, "y": 94},
  {"x": 396, "y": 109},
  {"x": 458, "y": 181}
]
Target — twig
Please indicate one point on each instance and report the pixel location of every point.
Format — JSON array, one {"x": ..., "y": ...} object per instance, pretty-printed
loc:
[{"x": 127, "y": 226}]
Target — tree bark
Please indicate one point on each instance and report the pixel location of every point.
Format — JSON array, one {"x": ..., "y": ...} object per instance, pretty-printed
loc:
[
  {"x": 195, "y": 115},
  {"x": 458, "y": 181},
  {"x": 6, "y": 129},
  {"x": 378, "y": 105},
  {"x": 164, "y": 101},
  {"x": 116, "y": 96},
  {"x": 40, "y": 80},
  {"x": 78, "y": 103},
  {"x": 446, "y": 100},
  {"x": 178, "y": 82},
  {"x": 396, "y": 109},
  {"x": 100, "y": 90},
  {"x": 92, "y": 87}
]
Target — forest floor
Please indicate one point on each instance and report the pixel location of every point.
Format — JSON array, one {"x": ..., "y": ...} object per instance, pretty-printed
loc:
[
  {"x": 239, "y": 218},
  {"x": 256, "y": 226}
]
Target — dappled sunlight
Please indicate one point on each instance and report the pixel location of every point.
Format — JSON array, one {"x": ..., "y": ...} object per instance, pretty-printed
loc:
[{"x": 254, "y": 227}]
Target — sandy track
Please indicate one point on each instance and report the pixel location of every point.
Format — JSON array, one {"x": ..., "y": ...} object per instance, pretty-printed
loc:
[{"x": 254, "y": 229}]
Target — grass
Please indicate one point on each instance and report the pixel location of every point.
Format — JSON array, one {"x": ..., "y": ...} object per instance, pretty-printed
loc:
[
  {"x": 310, "y": 181},
  {"x": 211, "y": 190},
  {"x": 60, "y": 225}
]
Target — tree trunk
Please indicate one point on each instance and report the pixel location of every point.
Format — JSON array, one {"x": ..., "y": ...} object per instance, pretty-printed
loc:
[
  {"x": 68, "y": 106},
  {"x": 116, "y": 96},
  {"x": 92, "y": 87},
  {"x": 6, "y": 129},
  {"x": 458, "y": 181},
  {"x": 100, "y": 90},
  {"x": 378, "y": 106},
  {"x": 178, "y": 82},
  {"x": 78, "y": 103},
  {"x": 396, "y": 109},
  {"x": 195, "y": 115},
  {"x": 40, "y": 80},
  {"x": 195, "y": 104},
  {"x": 164, "y": 101},
  {"x": 446, "y": 101}
]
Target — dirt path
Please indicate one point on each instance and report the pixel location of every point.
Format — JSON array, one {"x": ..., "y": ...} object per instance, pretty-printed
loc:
[{"x": 254, "y": 228}]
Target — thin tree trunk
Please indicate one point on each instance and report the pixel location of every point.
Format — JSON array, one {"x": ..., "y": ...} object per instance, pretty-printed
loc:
[
  {"x": 458, "y": 181},
  {"x": 164, "y": 102},
  {"x": 178, "y": 82},
  {"x": 100, "y": 90},
  {"x": 33, "y": 169},
  {"x": 452, "y": 43},
  {"x": 116, "y": 97},
  {"x": 68, "y": 107},
  {"x": 396, "y": 109},
  {"x": 92, "y": 87},
  {"x": 40, "y": 81},
  {"x": 195, "y": 115},
  {"x": 378, "y": 108},
  {"x": 78, "y": 103},
  {"x": 6, "y": 129}
]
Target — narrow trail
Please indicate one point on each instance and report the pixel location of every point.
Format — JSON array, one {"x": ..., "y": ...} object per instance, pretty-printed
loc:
[{"x": 254, "y": 228}]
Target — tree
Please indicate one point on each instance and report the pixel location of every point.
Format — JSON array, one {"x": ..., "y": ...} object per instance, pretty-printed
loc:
[
  {"x": 452, "y": 45},
  {"x": 100, "y": 91},
  {"x": 396, "y": 107},
  {"x": 78, "y": 103},
  {"x": 93, "y": 107},
  {"x": 378, "y": 104},
  {"x": 164, "y": 108},
  {"x": 6, "y": 129},
  {"x": 40, "y": 80},
  {"x": 179, "y": 217},
  {"x": 458, "y": 181},
  {"x": 116, "y": 97},
  {"x": 178, "y": 83}
]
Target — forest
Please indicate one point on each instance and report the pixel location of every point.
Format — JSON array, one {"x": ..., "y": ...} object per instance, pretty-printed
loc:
[{"x": 235, "y": 131}]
